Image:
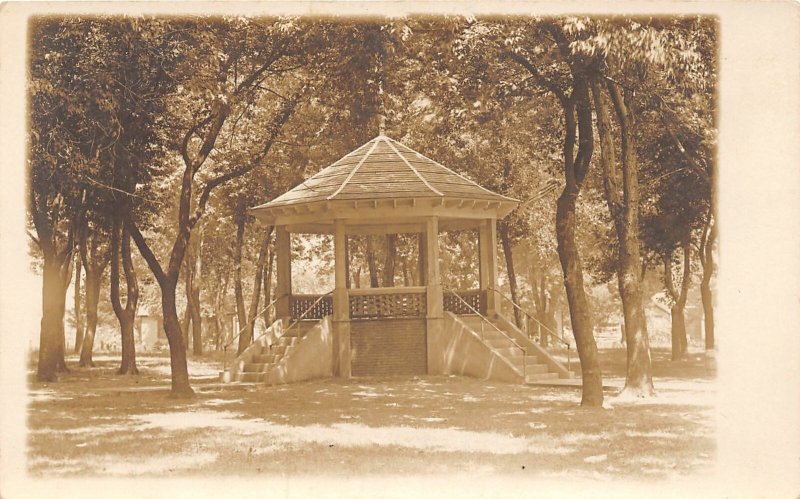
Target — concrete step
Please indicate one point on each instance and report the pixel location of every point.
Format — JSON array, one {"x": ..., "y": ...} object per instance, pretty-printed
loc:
[
  {"x": 277, "y": 350},
  {"x": 251, "y": 367},
  {"x": 497, "y": 341},
  {"x": 266, "y": 358},
  {"x": 295, "y": 332},
  {"x": 531, "y": 366},
  {"x": 300, "y": 329},
  {"x": 251, "y": 377},
  {"x": 515, "y": 361},
  {"x": 536, "y": 377},
  {"x": 288, "y": 340},
  {"x": 535, "y": 368},
  {"x": 509, "y": 352},
  {"x": 475, "y": 323}
]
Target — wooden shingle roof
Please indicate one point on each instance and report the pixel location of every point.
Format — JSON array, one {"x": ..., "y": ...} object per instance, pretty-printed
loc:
[{"x": 384, "y": 169}]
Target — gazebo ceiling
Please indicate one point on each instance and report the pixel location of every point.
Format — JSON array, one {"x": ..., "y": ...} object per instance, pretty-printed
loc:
[{"x": 383, "y": 183}]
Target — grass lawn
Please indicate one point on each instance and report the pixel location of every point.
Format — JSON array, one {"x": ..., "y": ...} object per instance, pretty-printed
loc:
[{"x": 95, "y": 423}]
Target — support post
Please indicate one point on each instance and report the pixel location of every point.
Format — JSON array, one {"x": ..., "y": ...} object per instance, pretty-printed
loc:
[
  {"x": 421, "y": 261},
  {"x": 283, "y": 271},
  {"x": 487, "y": 241},
  {"x": 435, "y": 308},
  {"x": 348, "y": 284},
  {"x": 341, "y": 306}
]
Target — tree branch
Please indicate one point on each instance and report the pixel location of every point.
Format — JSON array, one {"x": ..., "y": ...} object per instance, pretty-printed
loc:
[
  {"x": 583, "y": 110},
  {"x": 145, "y": 250},
  {"x": 668, "y": 282},
  {"x": 248, "y": 82},
  {"x": 188, "y": 136},
  {"x": 34, "y": 239},
  {"x": 537, "y": 75},
  {"x": 697, "y": 168},
  {"x": 280, "y": 119}
]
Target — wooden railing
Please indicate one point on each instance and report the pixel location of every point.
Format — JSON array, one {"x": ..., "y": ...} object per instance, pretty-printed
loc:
[
  {"x": 385, "y": 303},
  {"x": 310, "y": 306},
  {"x": 475, "y": 298}
]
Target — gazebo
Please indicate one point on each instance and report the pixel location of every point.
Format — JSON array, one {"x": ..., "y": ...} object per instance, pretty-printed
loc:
[{"x": 385, "y": 187}]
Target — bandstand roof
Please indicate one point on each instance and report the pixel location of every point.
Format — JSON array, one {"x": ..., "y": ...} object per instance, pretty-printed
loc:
[{"x": 383, "y": 183}]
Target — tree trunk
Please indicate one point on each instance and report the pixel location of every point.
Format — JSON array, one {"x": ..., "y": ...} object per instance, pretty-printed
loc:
[
  {"x": 193, "y": 295},
  {"x": 708, "y": 314},
  {"x": 576, "y": 297},
  {"x": 168, "y": 282},
  {"x": 678, "y": 329},
  {"x": 177, "y": 349},
  {"x": 126, "y": 315},
  {"x": 622, "y": 196},
  {"x": 52, "y": 323},
  {"x": 66, "y": 276},
  {"x": 217, "y": 332},
  {"x": 267, "y": 314},
  {"x": 93, "y": 284},
  {"x": 371, "y": 264},
  {"x": 545, "y": 312},
  {"x": 255, "y": 299},
  {"x": 512, "y": 276},
  {"x": 389, "y": 262},
  {"x": 186, "y": 325},
  {"x": 707, "y": 260},
  {"x": 241, "y": 313},
  {"x": 575, "y": 169},
  {"x": 80, "y": 326}
]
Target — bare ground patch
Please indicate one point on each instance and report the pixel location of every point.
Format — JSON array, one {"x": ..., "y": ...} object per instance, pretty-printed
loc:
[{"x": 94, "y": 422}]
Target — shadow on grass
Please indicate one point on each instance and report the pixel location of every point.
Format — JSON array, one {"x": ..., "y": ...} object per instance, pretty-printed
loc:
[{"x": 90, "y": 423}]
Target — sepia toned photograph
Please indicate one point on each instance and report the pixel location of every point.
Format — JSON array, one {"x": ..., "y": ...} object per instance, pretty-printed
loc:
[{"x": 309, "y": 247}]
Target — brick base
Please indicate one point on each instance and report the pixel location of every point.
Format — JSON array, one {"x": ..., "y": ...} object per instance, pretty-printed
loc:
[{"x": 388, "y": 347}]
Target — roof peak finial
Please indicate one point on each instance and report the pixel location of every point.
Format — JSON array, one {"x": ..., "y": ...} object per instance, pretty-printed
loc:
[{"x": 382, "y": 124}]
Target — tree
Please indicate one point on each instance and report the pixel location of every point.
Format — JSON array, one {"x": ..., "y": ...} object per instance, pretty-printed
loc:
[
  {"x": 674, "y": 207},
  {"x": 630, "y": 55},
  {"x": 254, "y": 74},
  {"x": 126, "y": 314},
  {"x": 247, "y": 318},
  {"x": 622, "y": 195},
  {"x": 192, "y": 277},
  {"x": 709, "y": 237},
  {"x": 570, "y": 86},
  {"x": 485, "y": 63},
  {"x": 95, "y": 255},
  {"x": 679, "y": 343},
  {"x": 56, "y": 196},
  {"x": 80, "y": 326}
]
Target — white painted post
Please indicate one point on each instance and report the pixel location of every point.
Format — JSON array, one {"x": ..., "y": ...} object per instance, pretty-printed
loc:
[
  {"x": 434, "y": 298},
  {"x": 487, "y": 241},
  {"x": 283, "y": 271},
  {"x": 341, "y": 305}
]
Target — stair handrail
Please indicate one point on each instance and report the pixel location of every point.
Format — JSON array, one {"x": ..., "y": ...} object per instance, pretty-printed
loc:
[
  {"x": 503, "y": 333},
  {"x": 547, "y": 329},
  {"x": 306, "y": 311},
  {"x": 241, "y": 330}
]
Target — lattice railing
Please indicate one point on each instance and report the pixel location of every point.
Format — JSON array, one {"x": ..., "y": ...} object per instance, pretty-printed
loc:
[
  {"x": 384, "y": 303},
  {"x": 299, "y": 304},
  {"x": 476, "y": 298}
]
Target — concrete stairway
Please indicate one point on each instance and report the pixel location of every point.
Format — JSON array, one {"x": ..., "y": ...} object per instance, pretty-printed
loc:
[
  {"x": 535, "y": 369},
  {"x": 258, "y": 361}
]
